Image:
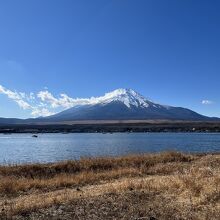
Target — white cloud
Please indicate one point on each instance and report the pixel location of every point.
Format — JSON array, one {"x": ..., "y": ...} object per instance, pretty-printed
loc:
[
  {"x": 27, "y": 102},
  {"x": 16, "y": 96},
  {"x": 207, "y": 102},
  {"x": 44, "y": 103},
  {"x": 63, "y": 101},
  {"x": 46, "y": 96},
  {"x": 31, "y": 96},
  {"x": 37, "y": 112}
]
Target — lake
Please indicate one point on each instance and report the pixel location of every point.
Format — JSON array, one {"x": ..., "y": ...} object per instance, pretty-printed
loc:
[{"x": 23, "y": 148}]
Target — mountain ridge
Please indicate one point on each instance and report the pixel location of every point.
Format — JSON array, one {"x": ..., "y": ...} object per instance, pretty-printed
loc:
[
  {"x": 125, "y": 104},
  {"x": 120, "y": 104}
]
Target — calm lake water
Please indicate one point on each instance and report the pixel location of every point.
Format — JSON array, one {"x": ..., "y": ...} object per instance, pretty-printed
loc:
[{"x": 23, "y": 148}]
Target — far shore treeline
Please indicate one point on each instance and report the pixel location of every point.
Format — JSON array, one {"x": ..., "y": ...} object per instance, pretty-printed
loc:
[{"x": 111, "y": 126}]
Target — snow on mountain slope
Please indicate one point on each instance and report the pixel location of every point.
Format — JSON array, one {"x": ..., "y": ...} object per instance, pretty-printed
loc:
[
  {"x": 120, "y": 104},
  {"x": 126, "y": 96},
  {"x": 123, "y": 104}
]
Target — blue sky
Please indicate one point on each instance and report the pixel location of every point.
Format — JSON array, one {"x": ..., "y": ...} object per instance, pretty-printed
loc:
[{"x": 168, "y": 51}]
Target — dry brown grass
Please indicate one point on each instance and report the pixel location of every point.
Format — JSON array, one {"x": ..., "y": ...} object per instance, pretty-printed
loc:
[{"x": 168, "y": 185}]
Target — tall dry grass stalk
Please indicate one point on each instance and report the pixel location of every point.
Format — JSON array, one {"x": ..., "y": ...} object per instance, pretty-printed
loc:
[{"x": 169, "y": 185}]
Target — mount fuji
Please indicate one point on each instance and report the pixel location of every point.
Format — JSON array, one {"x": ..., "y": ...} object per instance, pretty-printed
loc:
[{"x": 124, "y": 104}]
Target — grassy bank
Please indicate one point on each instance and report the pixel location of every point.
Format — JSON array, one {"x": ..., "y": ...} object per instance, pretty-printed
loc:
[{"x": 167, "y": 185}]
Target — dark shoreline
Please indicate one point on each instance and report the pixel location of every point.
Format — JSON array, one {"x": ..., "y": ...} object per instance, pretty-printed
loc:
[{"x": 113, "y": 127}]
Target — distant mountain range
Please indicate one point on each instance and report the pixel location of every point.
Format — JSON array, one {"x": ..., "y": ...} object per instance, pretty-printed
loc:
[{"x": 120, "y": 104}]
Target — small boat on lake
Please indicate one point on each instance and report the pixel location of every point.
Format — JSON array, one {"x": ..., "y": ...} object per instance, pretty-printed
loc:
[{"x": 34, "y": 136}]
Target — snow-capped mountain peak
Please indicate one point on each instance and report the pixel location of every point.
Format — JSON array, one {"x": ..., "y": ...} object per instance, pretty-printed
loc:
[
  {"x": 123, "y": 104},
  {"x": 127, "y": 96}
]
